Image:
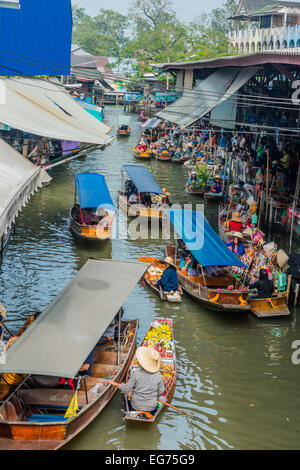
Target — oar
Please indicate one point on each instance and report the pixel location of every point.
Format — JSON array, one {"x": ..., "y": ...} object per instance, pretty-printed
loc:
[
  {"x": 3, "y": 324},
  {"x": 115, "y": 384}
]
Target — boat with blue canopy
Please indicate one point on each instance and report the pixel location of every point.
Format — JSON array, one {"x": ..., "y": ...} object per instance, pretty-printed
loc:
[
  {"x": 206, "y": 268},
  {"x": 141, "y": 194},
  {"x": 93, "y": 213}
]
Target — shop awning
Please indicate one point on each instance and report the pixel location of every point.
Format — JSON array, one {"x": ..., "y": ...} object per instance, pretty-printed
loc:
[
  {"x": 224, "y": 114},
  {"x": 199, "y": 237},
  {"x": 209, "y": 93},
  {"x": 93, "y": 191},
  {"x": 19, "y": 179},
  {"x": 61, "y": 338},
  {"x": 142, "y": 179},
  {"x": 43, "y": 108},
  {"x": 151, "y": 123}
]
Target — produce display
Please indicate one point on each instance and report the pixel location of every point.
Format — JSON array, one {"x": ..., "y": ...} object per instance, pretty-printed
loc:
[{"x": 160, "y": 337}]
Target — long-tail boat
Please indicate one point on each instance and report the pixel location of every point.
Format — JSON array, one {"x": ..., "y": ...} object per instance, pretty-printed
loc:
[
  {"x": 147, "y": 155},
  {"x": 124, "y": 126},
  {"x": 168, "y": 364},
  {"x": 142, "y": 183},
  {"x": 92, "y": 217},
  {"x": 153, "y": 274},
  {"x": 39, "y": 415},
  {"x": 219, "y": 292}
]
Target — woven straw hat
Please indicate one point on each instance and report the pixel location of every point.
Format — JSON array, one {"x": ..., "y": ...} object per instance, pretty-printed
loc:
[
  {"x": 235, "y": 234},
  {"x": 236, "y": 217},
  {"x": 282, "y": 258},
  {"x": 170, "y": 261},
  {"x": 2, "y": 311},
  {"x": 148, "y": 358}
]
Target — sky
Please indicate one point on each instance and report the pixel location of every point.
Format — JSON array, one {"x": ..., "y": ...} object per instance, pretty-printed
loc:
[{"x": 186, "y": 10}]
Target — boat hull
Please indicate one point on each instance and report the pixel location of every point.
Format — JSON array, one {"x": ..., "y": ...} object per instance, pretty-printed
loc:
[{"x": 137, "y": 210}]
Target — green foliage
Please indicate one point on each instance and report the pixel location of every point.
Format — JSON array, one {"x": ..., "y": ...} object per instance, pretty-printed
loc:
[
  {"x": 203, "y": 173},
  {"x": 151, "y": 33}
]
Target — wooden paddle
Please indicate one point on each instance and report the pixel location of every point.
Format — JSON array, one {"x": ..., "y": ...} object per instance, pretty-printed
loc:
[{"x": 115, "y": 384}]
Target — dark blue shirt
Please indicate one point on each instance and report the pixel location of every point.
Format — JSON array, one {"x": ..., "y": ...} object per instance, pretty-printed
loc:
[
  {"x": 89, "y": 360},
  {"x": 169, "y": 280}
]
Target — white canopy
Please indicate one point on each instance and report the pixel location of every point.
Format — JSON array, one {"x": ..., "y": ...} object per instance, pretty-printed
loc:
[
  {"x": 207, "y": 94},
  {"x": 62, "y": 337},
  {"x": 19, "y": 179},
  {"x": 43, "y": 108}
]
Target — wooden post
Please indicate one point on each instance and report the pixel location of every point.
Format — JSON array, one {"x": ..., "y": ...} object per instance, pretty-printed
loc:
[
  {"x": 288, "y": 288},
  {"x": 119, "y": 335},
  {"x": 296, "y": 195},
  {"x": 296, "y": 294}
]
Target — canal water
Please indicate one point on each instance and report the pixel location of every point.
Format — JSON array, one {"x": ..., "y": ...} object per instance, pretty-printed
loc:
[{"x": 235, "y": 371}]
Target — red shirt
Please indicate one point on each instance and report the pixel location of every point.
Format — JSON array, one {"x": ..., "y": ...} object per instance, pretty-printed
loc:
[{"x": 236, "y": 226}]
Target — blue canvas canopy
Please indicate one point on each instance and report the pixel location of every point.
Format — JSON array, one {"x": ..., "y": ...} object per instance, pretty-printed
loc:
[
  {"x": 93, "y": 191},
  {"x": 142, "y": 179},
  {"x": 199, "y": 237}
]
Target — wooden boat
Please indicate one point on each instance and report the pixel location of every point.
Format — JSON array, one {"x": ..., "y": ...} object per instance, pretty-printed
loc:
[
  {"x": 124, "y": 125},
  {"x": 123, "y": 132},
  {"x": 142, "y": 155},
  {"x": 33, "y": 416},
  {"x": 177, "y": 161},
  {"x": 168, "y": 371},
  {"x": 164, "y": 156},
  {"x": 84, "y": 222},
  {"x": 195, "y": 192},
  {"x": 33, "y": 397},
  {"x": 151, "y": 279},
  {"x": 213, "y": 291},
  {"x": 142, "y": 180},
  {"x": 275, "y": 306},
  {"x": 213, "y": 196}
]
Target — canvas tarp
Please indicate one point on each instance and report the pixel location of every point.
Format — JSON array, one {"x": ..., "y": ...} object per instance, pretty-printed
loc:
[
  {"x": 224, "y": 114},
  {"x": 207, "y": 94},
  {"x": 19, "y": 179},
  {"x": 44, "y": 108},
  {"x": 200, "y": 238},
  {"x": 93, "y": 191},
  {"x": 61, "y": 338},
  {"x": 142, "y": 179}
]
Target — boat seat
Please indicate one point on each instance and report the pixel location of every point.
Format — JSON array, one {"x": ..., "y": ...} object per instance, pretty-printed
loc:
[
  {"x": 53, "y": 398},
  {"x": 104, "y": 370},
  {"x": 16, "y": 402},
  {"x": 46, "y": 418},
  {"x": 105, "y": 357}
]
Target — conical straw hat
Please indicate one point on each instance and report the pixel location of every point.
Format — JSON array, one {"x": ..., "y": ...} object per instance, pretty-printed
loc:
[{"x": 148, "y": 358}]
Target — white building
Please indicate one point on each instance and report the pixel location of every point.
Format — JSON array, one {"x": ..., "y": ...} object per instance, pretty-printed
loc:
[{"x": 266, "y": 25}]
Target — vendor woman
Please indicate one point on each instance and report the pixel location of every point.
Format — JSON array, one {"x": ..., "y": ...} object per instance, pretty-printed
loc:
[
  {"x": 145, "y": 384},
  {"x": 217, "y": 187},
  {"x": 235, "y": 223},
  {"x": 169, "y": 280},
  {"x": 236, "y": 243}
]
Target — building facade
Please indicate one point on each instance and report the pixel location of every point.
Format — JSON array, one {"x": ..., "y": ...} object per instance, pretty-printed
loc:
[{"x": 263, "y": 25}]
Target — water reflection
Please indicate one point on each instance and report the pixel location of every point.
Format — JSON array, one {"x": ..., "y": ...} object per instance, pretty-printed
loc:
[{"x": 235, "y": 371}]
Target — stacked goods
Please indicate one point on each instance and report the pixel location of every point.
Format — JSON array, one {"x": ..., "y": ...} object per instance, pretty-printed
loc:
[
  {"x": 155, "y": 271},
  {"x": 160, "y": 337}
]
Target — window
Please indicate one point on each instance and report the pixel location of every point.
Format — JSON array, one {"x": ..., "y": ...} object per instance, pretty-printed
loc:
[{"x": 265, "y": 21}]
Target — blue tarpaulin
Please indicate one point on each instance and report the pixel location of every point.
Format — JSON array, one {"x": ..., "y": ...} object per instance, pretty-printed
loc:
[
  {"x": 142, "y": 179},
  {"x": 36, "y": 39},
  {"x": 199, "y": 237},
  {"x": 93, "y": 191}
]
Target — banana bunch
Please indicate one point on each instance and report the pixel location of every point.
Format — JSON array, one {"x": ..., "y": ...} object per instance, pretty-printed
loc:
[{"x": 161, "y": 334}]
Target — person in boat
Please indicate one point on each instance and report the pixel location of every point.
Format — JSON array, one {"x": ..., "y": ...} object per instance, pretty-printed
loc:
[
  {"x": 212, "y": 270},
  {"x": 190, "y": 265},
  {"x": 146, "y": 200},
  {"x": 169, "y": 280},
  {"x": 9, "y": 381},
  {"x": 86, "y": 217},
  {"x": 243, "y": 206},
  {"x": 177, "y": 154},
  {"x": 235, "y": 223},
  {"x": 264, "y": 286},
  {"x": 124, "y": 128},
  {"x": 217, "y": 187},
  {"x": 142, "y": 147},
  {"x": 146, "y": 383},
  {"x": 236, "y": 243},
  {"x": 193, "y": 179},
  {"x": 133, "y": 198}
]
